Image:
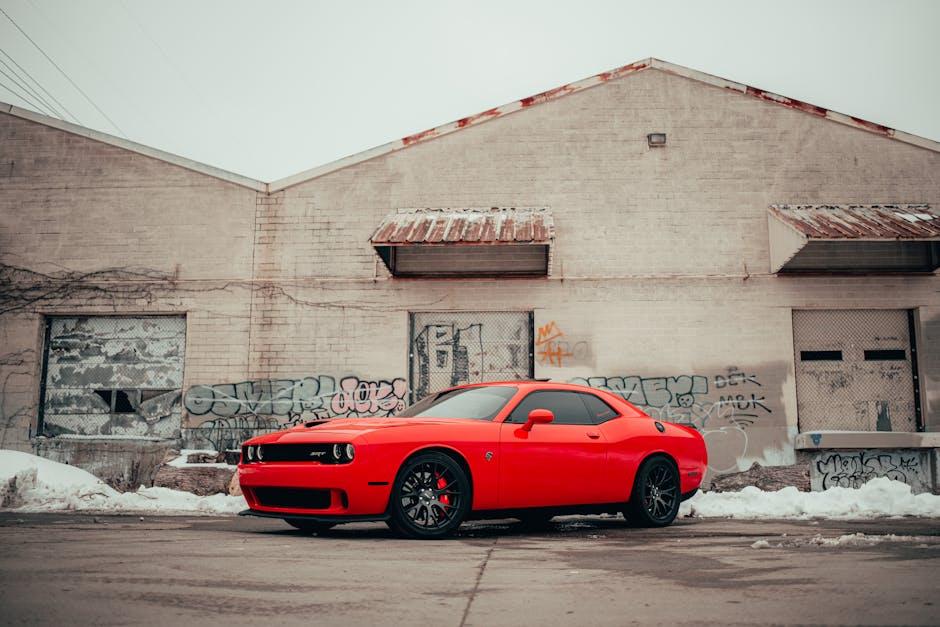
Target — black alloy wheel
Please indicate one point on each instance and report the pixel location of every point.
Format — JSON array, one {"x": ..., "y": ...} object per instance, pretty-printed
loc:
[
  {"x": 430, "y": 498},
  {"x": 309, "y": 526},
  {"x": 655, "y": 499}
]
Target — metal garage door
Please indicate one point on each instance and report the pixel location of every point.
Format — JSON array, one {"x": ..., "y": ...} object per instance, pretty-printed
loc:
[
  {"x": 455, "y": 347},
  {"x": 113, "y": 376},
  {"x": 855, "y": 370}
]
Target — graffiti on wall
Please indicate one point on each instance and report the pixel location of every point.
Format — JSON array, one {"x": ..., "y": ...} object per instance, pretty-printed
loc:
[
  {"x": 306, "y": 398},
  {"x": 234, "y": 412},
  {"x": 553, "y": 348},
  {"x": 852, "y": 469},
  {"x": 722, "y": 406},
  {"x": 454, "y": 348}
]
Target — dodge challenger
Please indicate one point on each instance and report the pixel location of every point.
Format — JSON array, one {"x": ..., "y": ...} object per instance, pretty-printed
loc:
[{"x": 518, "y": 449}]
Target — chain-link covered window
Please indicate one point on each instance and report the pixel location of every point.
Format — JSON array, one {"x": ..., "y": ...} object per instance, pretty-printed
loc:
[
  {"x": 109, "y": 375},
  {"x": 455, "y": 347},
  {"x": 855, "y": 370}
]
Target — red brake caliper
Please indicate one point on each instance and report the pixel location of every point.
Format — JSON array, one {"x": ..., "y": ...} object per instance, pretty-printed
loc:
[{"x": 441, "y": 484}]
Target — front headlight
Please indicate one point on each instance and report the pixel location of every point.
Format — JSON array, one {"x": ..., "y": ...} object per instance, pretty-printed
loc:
[
  {"x": 343, "y": 453},
  {"x": 251, "y": 453},
  {"x": 258, "y": 453}
]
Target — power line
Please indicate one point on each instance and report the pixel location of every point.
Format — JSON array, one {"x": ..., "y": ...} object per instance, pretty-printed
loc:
[
  {"x": 9, "y": 90},
  {"x": 24, "y": 97},
  {"x": 62, "y": 72},
  {"x": 24, "y": 84},
  {"x": 31, "y": 99},
  {"x": 39, "y": 85},
  {"x": 170, "y": 63}
]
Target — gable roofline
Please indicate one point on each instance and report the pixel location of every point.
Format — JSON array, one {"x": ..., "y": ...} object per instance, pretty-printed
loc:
[
  {"x": 473, "y": 120},
  {"x": 594, "y": 81},
  {"x": 147, "y": 151}
]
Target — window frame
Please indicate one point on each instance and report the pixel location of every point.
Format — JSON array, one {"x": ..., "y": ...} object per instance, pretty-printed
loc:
[
  {"x": 617, "y": 413},
  {"x": 433, "y": 397},
  {"x": 580, "y": 394}
]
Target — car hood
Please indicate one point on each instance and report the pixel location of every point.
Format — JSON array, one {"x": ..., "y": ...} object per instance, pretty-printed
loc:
[{"x": 346, "y": 429}]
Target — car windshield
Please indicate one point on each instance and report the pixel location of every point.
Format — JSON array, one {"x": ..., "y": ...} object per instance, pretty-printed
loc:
[{"x": 481, "y": 403}]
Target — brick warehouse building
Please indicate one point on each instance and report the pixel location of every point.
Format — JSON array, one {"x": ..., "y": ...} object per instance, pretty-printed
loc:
[{"x": 758, "y": 266}]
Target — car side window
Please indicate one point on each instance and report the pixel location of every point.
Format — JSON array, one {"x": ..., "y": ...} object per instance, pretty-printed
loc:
[
  {"x": 568, "y": 408},
  {"x": 600, "y": 411}
]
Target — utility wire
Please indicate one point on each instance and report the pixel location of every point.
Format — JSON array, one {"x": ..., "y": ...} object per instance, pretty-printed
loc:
[
  {"x": 25, "y": 97},
  {"x": 62, "y": 72},
  {"x": 46, "y": 91},
  {"x": 173, "y": 66},
  {"x": 23, "y": 84}
]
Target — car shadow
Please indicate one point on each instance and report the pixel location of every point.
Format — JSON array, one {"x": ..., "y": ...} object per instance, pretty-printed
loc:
[{"x": 573, "y": 526}]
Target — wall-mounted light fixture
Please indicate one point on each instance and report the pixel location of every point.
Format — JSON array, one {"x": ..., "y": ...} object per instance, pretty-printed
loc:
[{"x": 656, "y": 140}]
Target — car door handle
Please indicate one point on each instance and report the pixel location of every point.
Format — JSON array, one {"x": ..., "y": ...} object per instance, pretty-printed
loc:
[{"x": 593, "y": 435}]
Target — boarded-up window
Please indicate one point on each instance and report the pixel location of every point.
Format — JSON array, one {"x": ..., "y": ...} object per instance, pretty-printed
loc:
[
  {"x": 854, "y": 370},
  {"x": 455, "y": 347},
  {"x": 113, "y": 376}
]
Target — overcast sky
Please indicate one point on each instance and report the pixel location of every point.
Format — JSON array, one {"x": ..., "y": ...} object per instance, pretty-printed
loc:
[{"x": 268, "y": 89}]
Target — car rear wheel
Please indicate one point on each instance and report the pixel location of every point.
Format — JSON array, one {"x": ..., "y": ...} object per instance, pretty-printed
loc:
[
  {"x": 430, "y": 498},
  {"x": 310, "y": 526},
  {"x": 655, "y": 498}
]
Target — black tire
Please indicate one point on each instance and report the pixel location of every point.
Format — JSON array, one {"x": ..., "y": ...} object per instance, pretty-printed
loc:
[
  {"x": 535, "y": 521},
  {"x": 430, "y": 498},
  {"x": 309, "y": 526},
  {"x": 655, "y": 499}
]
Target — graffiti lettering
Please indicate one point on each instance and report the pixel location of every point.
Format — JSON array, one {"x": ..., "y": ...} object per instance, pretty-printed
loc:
[
  {"x": 685, "y": 399},
  {"x": 550, "y": 350},
  {"x": 735, "y": 378},
  {"x": 547, "y": 333},
  {"x": 678, "y": 391},
  {"x": 311, "y": 396},
  {"x": 853, "y": 469},
  {"x": 450, "y": 349},
  {"x": 742, "y": 401}
]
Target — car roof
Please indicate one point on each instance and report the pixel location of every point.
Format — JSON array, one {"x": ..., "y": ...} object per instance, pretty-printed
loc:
[{"x": 547, "y": 384}]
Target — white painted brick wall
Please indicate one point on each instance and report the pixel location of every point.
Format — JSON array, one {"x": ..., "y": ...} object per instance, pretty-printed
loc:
[{"x": 660, "y": 267}]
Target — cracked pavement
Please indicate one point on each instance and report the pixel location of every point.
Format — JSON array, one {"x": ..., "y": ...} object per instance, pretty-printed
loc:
[{"x": 121, "y": 570}]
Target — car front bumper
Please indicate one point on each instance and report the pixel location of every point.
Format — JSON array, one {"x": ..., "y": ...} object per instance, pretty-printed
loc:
[{"x": 280, "y": 490}]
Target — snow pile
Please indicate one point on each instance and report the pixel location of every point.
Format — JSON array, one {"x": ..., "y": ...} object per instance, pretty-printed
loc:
[
  {"x": 33, "y": 484},
  {"x": 848, "y": 540},
  {"x": 877, "y": 498},
  {"x": 860, "y": 539}
]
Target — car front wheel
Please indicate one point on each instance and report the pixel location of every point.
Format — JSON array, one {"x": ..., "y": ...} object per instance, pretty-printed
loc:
[
  {"x": 655, "y": 499},
  {"x": 430, "y": 497}
]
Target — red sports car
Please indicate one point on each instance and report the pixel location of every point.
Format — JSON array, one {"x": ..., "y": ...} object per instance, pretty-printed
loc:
[{"x": 520, "y": 449}]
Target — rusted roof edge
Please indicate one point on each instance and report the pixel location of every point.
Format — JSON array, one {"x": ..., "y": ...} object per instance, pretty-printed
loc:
[
  {"x": 814, "y": 231},
  {"x": 465, "y": 122},
  {"x": 467, "y": 226},
  {"x": 593, "y": 81}
]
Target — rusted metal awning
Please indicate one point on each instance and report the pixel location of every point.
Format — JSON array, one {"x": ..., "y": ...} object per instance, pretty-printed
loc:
[
  {"x": 853, "y": 238},
  {"x": 466, "y": 241}
]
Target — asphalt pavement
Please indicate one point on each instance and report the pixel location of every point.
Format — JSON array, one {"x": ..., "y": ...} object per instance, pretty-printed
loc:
[{"x": 71, "y": 569}]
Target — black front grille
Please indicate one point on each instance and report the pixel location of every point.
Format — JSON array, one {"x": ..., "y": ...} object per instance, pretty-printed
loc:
[
  {"x": 322, "y": 453},
  {"x": 294, "y": 498}
]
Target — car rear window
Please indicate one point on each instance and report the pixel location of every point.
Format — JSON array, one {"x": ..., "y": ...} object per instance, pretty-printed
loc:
[
  {"x": 599, "y": 409},
  {"x": 478, "y": 403}
]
